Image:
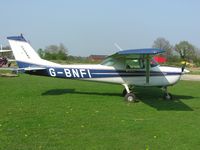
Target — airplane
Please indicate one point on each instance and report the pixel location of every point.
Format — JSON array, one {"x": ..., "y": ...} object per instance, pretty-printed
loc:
[
  {"x": 4, "y": 60},
  {"x": 133, "y": 67}
]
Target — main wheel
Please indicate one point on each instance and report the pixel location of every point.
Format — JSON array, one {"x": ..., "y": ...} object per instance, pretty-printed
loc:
[
  {"x": 124, "y": 92},
  {"x": 167, "y": 96},
  {"x": 130, "y": 97}
]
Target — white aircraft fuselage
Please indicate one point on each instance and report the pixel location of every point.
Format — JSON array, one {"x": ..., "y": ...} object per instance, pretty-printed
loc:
[{"x": 159, "y": 75}]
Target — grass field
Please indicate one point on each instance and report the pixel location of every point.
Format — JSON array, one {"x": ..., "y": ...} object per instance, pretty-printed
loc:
[{"x": 47, "y": 113}]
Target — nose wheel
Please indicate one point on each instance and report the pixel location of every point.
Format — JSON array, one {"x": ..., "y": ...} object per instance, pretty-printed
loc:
[{"x": 167, "y": 95}]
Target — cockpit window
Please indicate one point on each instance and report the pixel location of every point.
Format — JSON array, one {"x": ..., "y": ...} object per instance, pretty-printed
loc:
[
  {"x": 136, "y": 63},
  {"x": 139, "y": 63},
  {"x": 132, "y": 63}
]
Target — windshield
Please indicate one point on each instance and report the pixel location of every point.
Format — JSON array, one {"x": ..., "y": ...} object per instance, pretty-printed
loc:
[
  {"x": 108, "y": 62},
  {"x": 131, "y": 63}
]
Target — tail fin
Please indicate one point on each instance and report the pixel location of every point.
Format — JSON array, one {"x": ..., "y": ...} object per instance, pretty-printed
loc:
[{"x": 23, "y": 52}]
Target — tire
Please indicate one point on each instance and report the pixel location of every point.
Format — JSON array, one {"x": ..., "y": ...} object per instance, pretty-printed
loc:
[
  {"x": 130, "y": 97},
  {"x": 167, "y": 96},
  {"x": 124, "y": 92}
]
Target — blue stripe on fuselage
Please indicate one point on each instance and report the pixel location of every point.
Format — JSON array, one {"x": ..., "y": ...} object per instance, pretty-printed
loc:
[
  {"x": 89, "y": 73},
  {"x": 96, "y": 73}
]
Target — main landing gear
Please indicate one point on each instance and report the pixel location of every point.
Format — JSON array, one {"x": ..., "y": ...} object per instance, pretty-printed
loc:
[
  {"x": 128, "y": 95},
  {"x": 167, "y": 95}
]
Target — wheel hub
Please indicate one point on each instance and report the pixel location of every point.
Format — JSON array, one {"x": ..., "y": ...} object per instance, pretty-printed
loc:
[{"x": 130, "y": 98}]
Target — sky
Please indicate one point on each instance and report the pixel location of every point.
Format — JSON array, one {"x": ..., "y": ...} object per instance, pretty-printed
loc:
[{"x": 88, "y": 27}]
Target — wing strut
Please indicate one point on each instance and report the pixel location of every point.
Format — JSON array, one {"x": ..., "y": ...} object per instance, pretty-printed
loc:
[{"x": 147, "y": 68}]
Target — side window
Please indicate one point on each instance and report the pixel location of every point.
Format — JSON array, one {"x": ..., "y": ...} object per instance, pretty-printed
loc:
[{"x": 136, "y": 63}]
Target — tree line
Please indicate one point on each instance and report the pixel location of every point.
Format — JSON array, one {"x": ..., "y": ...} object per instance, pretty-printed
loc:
[
  {"x": 60, "y": 53},
  {"x": 178, "y": 52},
  {"x": 54, "y": 52}
]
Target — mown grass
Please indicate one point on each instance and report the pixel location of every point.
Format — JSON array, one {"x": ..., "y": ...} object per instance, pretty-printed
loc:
[{"x": 47, "y": 113}]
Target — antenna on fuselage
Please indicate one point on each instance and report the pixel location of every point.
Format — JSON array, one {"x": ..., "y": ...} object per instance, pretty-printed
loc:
[{"x": 117, "y": 46}]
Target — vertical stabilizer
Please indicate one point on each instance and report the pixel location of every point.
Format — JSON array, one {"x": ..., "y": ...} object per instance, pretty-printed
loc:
[{"x": 23, "y": 51}]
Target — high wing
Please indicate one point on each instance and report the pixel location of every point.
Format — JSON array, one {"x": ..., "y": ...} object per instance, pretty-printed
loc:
[
  {"x": 136, "y": 52},
  {"x": 147, "y": 54}
]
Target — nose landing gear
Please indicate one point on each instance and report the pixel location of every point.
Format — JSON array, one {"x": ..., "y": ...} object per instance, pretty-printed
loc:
[{"x": 167, "y": 95}]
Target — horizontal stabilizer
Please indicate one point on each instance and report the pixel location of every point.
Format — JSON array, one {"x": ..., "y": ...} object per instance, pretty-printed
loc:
[
  {"x": 32, "y": 68},
  {"x": 11, "y": 60},
  {"x": 21, "y": 69},
  {"x": 3, "y": 51},
  {"x": 9, "y": 68}
]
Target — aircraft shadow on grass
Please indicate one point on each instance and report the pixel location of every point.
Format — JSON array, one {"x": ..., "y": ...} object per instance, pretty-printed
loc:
[
  {"x": 154, "y": 97},
  {"x": 149, "y": 96},
  {"x": 73, "y": 91}
]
